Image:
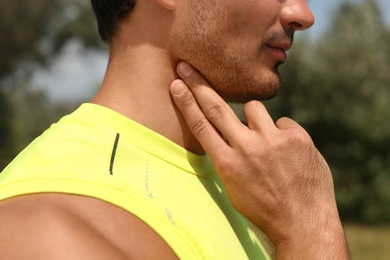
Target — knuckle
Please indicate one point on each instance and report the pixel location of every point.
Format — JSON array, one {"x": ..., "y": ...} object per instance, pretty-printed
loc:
[
  {"x": 200, "y": 126},
  {"x": 281, "y": 120},
  {"x": 214, "y": 111},
  {"x": 251, "y": 151},
  {"x": 227, "y": 170},
  {"x": 287, "y": 123},
  {"x": 293, "y": 139},
  {"x": 299, "y": 138},
  {"x": 223, "y": 165},
  {"x": 284, "y": 119}
]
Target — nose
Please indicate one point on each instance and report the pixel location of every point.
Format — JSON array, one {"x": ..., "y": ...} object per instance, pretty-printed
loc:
[{"x": 296, "y": 14}]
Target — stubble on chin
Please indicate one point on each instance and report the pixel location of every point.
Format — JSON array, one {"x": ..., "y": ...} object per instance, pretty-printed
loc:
[
  {"x": 244, "y": 87},
  {"x": 239, "y": 80},
  {"x": 228, "y": 69}
]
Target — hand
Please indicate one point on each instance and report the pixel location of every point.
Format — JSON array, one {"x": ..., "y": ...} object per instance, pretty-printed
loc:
[{"x": 273, "y": 173}]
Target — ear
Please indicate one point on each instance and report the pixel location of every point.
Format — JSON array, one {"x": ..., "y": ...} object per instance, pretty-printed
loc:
[{"x": 167, "y": 4}]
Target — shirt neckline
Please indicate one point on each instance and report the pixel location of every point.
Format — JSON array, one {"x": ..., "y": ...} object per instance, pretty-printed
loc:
[{"x": 146, "y": 139}]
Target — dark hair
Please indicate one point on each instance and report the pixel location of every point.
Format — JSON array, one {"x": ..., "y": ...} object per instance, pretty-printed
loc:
[{"x": 109, "y": 13}]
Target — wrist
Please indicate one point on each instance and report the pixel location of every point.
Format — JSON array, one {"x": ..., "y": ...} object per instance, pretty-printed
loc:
[{"x": 324, "y": 241}]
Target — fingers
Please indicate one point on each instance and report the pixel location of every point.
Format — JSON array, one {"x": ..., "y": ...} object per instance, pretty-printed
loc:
[
  {"x": 214, "y": 108},
  {"x": 201, "y": 127},
  {"x": 260, "y": 121},
  {"x": 287, "y": 123},
  {"x": 211, "y": 119},
  {"x": 258, "y": 118}
]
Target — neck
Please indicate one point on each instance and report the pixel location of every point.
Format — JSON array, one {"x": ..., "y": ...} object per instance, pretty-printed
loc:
[{"x": 136, "y": 85}]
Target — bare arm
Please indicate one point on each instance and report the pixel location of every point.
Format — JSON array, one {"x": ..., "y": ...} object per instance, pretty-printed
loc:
[
  {"x": 273, "y": 173},
  {"x": 59, "y": 226}
]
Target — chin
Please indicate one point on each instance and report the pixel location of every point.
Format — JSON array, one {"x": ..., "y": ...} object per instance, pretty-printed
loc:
[
  {"x": 261, "y": 90},
  {"x": 246, "y": 94},
  {"x": 244, "y": 85}
]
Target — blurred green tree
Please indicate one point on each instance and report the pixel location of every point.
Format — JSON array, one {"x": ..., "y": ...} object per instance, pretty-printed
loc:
[
  {"x": 337, "y": 87},
  {"x": 32, "y": 33}
]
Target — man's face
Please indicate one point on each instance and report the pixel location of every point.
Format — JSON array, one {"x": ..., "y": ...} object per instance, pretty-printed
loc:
[{"x": 238, "y": 45}]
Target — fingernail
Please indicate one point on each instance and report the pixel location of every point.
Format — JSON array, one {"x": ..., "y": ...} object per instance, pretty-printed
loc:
[
  {"x": 184, "y": 69},
  {"x": 178, "y": 88}
]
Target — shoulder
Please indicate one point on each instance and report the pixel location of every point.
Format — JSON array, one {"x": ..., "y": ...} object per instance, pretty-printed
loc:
[{"x": 56, "y": 226}]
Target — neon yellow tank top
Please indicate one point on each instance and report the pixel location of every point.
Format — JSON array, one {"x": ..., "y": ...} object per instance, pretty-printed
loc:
[{"x": 99, "y": 153}]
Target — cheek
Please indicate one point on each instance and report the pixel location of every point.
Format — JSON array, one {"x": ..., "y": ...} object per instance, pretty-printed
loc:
[
  {"x": 198, "y": 39},
  {"x": 253, "y": 19}
]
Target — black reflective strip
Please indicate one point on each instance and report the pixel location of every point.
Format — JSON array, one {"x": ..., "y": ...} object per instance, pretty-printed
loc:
[{"x": 113, "y": 153}]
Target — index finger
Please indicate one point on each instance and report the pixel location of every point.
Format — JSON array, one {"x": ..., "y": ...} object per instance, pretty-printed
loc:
[
  {"x": 216, "y": 110},
  {"x": 200, "y": 126}
]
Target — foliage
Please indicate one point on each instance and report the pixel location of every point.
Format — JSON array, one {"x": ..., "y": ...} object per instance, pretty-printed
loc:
[
  {"x": 36, "y": 30},
  {"x": 32, "y": 33},
  {"x": 339, "y": 92}
]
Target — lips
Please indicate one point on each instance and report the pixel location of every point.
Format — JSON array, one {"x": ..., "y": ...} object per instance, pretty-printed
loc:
[
  {"x": 279, "y": 50},
  {"x": 285, "y": 46}
]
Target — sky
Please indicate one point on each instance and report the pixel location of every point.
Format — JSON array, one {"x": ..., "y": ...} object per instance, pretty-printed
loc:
[
  {"x": 76, "y": 74},
  {"x": 323, "y": 9}
]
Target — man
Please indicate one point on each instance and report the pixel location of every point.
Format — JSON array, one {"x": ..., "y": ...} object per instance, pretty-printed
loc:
[{"x": 126, "y": 176}]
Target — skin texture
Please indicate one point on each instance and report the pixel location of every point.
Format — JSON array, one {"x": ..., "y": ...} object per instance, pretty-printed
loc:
[
  {"x": 237, "y": 46},
  {"x": 280, "y": 181},
  {"x": 231, "y": 43},
  {"x": 59, "y": 226}
]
